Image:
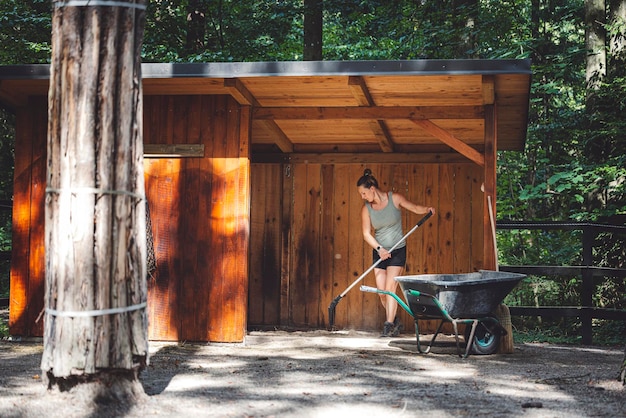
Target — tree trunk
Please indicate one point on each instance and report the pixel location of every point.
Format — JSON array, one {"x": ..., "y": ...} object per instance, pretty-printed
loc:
[
  {"x": 313, "y": 30},
  {"x": 595, "y": 40},
  {"x": 95, "y": 324},
  {"x": 617, "y": 38},
  {"x": 466, "y": 12},
  {"x": 196, "y": 26}
]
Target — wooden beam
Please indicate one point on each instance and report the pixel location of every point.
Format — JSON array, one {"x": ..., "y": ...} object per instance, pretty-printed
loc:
[
  {"x": 568, "y": 311},
  {"x": 489, "y": 249},
  {"x": 381, "y": 132},
  {"x": 173, "y": 150},
  {"x": 360, "y": 158},
  {"x": 371, "y": 112},
  {"x": 361, "y": 93},
  {"x": 244, "y": 97},
  {"x": 449, "y": 139},
  {"x": 489, "y": 89},
  {"x": 359, "y": 90},
  {"x": 281, "y": 140},
  {"x": 240, "y": 93}
]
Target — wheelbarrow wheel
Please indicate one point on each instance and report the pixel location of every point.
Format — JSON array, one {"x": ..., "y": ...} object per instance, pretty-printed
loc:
[{"x": 485, "y": 341}]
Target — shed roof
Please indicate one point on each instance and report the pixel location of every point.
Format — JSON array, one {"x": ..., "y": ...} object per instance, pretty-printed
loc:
[{"x": 343, "y": 108}]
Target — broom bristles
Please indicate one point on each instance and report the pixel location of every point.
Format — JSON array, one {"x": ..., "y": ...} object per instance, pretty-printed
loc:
[{"x": 331, "y": 312}]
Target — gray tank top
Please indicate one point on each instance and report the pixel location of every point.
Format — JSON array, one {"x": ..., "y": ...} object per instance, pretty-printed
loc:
[{"x": 387, "y": 224}]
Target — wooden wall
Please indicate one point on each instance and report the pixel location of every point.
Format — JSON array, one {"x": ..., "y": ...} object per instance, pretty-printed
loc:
[
  {"x": 200, "y": 218},
  {"x": 200, "y": 215},
  {"x": 307, "y": 246},
  {"x": 28, "y": 254}
]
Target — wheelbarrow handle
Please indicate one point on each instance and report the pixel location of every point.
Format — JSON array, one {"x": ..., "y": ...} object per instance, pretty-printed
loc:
[{"x": 371, "y": 289}]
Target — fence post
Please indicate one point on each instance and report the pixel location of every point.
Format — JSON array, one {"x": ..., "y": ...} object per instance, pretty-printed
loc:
[{"x": 589, "y": 234}]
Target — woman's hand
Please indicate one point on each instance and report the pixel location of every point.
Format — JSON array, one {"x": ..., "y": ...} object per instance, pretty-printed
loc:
[{"x": 384, "y": 254}]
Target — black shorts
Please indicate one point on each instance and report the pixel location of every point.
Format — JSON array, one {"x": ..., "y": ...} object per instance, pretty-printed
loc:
[{"x": 398, "y": 258}]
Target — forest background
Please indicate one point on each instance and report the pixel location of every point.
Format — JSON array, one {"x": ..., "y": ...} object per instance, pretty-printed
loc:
[{"x": 573, "y": 167}]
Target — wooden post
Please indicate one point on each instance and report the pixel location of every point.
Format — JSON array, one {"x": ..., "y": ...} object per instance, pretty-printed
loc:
[
  {"x": 490, "y": 185},
  {"x": 95, "y": 301},
  {"x": 589, "y": 235},
  {"x": 490, "y": 261}
]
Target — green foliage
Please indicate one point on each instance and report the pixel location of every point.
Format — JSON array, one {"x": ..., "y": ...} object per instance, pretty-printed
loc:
[
  {"x": 6, "y": 194},
  {"x": 7, "y": 133},
  {"x": 233, "y": 31},
  {"x": 605, "y": 333},
  {"x": 5, "y": 277},
  {"x": 550, "y": 335},
  {"x": 4, "y": 329},
  {"x": 25, "y": 27}
]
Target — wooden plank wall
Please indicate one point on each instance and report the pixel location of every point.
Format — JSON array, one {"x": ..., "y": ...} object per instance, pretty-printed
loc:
[
  {"x": 28, "y": 258},
  {"x": 313, "y": 232},
  {"x": 200, "y": 216}
]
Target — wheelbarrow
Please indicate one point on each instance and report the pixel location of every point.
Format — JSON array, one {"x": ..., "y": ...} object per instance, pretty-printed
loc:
[{"x": 468, "y": 298}]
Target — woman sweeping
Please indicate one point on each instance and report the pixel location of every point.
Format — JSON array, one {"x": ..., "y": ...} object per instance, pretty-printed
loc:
[{"x": 381, "y": 212}]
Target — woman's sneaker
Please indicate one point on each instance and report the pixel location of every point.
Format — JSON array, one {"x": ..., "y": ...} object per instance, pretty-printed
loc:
[
  {"x": 397, "y": 327},
  {"x": 387, "y": 329}
]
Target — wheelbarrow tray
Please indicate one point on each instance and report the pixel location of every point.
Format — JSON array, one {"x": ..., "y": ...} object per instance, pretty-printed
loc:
[{"x": 466, "y": 295}]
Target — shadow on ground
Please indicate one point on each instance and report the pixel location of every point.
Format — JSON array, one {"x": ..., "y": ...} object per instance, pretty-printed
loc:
[{"x": 314, "y": 374}]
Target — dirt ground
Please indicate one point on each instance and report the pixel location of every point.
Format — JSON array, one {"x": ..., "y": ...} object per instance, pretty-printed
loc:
[{"x": 336, "y": 374}]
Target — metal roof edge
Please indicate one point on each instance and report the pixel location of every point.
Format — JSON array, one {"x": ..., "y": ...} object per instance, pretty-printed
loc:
[
  {"x": 335, "y": 68},
  {"x": 300, "y": 68}
]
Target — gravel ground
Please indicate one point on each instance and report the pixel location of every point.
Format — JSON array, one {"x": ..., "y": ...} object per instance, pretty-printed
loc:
[{"x": 324, "y": 374}]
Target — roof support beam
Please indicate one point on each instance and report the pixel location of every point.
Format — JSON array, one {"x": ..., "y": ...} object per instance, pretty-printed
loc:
[
  {"x": 452, "y": 141},
  {"x": 489, "y": 90},
  {"x": 381, "y": 132},
  {"x": 372, "y": 112},
  {"x": 361, "y": 93},
  {"x": 359, "y": 158},
  {"x": 281, "y": 140},
  {"x": 244, "y": 97},
  {"x": 239, "y": 92}
]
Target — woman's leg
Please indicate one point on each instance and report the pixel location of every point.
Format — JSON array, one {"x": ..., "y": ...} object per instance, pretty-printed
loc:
[
  {"x": 381, "y": 283},
  {"x": 391, "y": 305}
]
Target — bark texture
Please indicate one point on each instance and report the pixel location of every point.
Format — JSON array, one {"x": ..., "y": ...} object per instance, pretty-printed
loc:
[
  {"x": 595, "y": 40},
  {"x": 95, "y": 206}
]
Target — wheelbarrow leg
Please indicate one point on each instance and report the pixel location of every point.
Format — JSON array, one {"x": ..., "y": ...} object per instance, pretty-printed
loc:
[
  {"x": 417, "y": 336},
  {"x": 470, "y": 340}
]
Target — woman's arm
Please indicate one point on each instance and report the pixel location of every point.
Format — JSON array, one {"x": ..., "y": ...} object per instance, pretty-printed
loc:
[
  {"x": 366, "y": 226},
  {"x": 402, "y": 202}
]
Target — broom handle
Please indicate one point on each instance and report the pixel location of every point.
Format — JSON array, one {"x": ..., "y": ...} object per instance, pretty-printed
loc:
[
  {"x": 493, "y": 232},
  {"x": 373, "y": 266}
]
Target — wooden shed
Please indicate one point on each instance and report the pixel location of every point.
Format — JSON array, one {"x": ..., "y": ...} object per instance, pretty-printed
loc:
[{"x": 251, "y": 173}]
